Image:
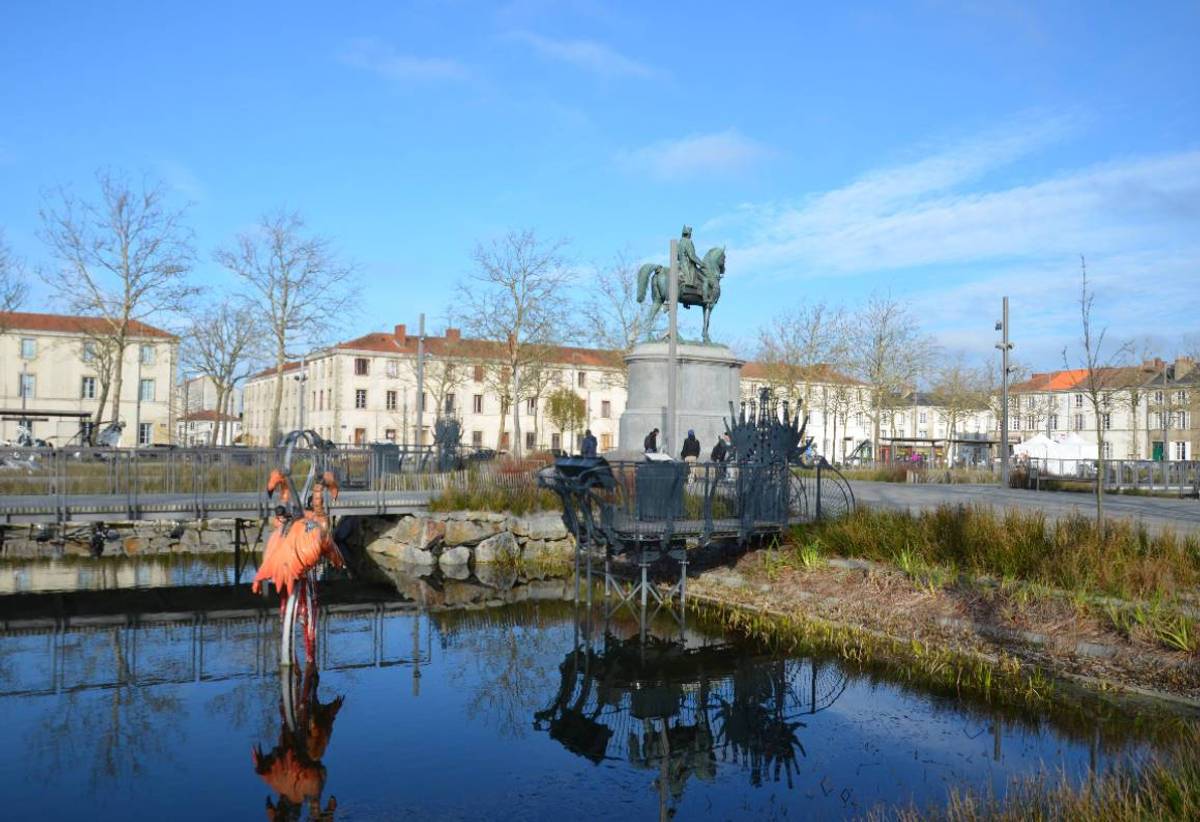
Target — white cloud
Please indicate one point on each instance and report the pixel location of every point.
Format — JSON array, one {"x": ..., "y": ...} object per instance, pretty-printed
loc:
[
  {"x": 372, "y": 55},
  {"x": 941, "y": 232},
  {"x": 721, "y": 152},
  {"x": 587, "y": 55}
]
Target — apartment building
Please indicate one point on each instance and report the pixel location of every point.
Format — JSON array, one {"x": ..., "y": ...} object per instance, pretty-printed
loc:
[
  {"x": 365, "y": 390},
  {"x": 1147, "y": 411},
  {"x": 51, "y": 375}
]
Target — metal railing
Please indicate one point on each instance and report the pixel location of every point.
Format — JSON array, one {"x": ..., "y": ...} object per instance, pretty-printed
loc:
[
  {"x": 1180, "y": 476},
  {"x": 127, "y": 483}
]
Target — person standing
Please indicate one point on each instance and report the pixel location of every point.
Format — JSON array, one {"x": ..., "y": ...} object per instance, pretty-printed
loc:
[
  {"x": 588, "y": 446},
  {"x": 691, "y": 448},
  {"x": 650, "y": 444},
  {"x": 720, "y": 451}
]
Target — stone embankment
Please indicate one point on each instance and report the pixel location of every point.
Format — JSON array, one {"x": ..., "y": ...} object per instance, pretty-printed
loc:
[
  {"x": 458, "y": 539},
  {"x": 133, "y": 539}
]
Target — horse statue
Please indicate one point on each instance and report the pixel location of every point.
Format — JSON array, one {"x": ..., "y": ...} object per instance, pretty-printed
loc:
[{"x": 704, "y": 293}]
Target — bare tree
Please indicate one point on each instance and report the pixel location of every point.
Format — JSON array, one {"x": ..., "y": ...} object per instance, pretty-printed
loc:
[
  {"x": 801, "y": 347},
  {"x": 445, "y": 374},
  {"x": 516, "y": 297},
  {"x": 1100, "y": 369},
  {"x": 123, "y": 258},
  {"x": 13, "y": 285},
  {"x": 222, "y": 343},
  {"x": 957, "y": 392},
  {"x": 890, "y": 353},
  {"x": 615, "y": 320},
  {"x": 297, "y": 284}
]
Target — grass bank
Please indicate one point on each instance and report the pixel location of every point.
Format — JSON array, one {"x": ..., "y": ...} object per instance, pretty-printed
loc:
[
  {"x": 938, "y": 476},
  {"x": 1120, "y": 559}
]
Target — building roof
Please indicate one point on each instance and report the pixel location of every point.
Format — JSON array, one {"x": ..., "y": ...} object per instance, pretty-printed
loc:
[
  {"x": 1125, "y": 376},
  {"x": 453, "y": 345},
  {"x": 267, "y": 372},
  {"x": 67, "y": 324},
  {"x": 208, "y": 415},
  {"x": 822, "y": 372}
]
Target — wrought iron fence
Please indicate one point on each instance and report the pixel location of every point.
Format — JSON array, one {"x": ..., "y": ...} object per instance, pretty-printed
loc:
[{"x": 1181, "y": 476}]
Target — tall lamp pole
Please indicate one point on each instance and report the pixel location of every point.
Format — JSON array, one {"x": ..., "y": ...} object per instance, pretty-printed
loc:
[
  {"x": 672, "y": 351},
  {"x": 421, "y": 382},
  {"x": 302, "y": 378},
  {"x": 1005, "y": 346}
]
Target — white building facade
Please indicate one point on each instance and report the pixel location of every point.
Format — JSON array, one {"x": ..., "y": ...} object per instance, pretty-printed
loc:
[{"x": 51, "y": 376}]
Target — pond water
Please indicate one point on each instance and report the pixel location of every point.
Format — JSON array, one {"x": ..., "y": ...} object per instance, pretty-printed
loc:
[{"x": 131, "y": 699}]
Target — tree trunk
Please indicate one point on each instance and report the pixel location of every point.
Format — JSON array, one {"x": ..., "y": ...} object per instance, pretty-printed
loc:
[
  {"x": 98, "y": 415},
  {"x": 212, "y": 434},
  {"x": 516, "y": 412},
  {"x": 118, "y": 374},
  {"x": 277, "y": 404}
]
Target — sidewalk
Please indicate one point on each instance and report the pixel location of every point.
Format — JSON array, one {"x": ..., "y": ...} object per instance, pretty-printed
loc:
[{"x": 1157, "y": 513}]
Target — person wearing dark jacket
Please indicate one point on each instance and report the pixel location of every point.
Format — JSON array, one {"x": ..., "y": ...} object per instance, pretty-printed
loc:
[
  {"x": 650, "y": 444},
  {"x": 720, "y": 450},
  {"x": 588, "y": 447},
  {"x": 691, "y": 448}
]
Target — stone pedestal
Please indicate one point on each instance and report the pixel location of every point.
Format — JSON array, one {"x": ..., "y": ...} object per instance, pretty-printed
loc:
[{"x": 709, "y": 377}]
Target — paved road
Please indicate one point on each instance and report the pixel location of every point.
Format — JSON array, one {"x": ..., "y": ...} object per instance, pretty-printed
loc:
[{"x": 1156, "y": 512}]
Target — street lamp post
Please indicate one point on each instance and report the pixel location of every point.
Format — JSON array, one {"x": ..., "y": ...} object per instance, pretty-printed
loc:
[
  {"x": 302, "y": 378},
  {"x": 1005, "y": 346}
]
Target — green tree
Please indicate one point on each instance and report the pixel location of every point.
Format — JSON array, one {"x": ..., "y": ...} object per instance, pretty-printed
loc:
[{"x": 566, "y": 410}]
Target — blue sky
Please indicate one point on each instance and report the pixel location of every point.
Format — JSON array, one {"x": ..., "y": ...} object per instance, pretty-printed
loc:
[{"x": 949, "y": 152}]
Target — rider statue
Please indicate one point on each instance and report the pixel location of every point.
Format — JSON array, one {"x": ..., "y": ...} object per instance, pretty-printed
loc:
[{"x": 690, "y": 266}]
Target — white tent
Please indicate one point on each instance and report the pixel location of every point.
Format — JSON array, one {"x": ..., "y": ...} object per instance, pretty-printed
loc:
[
  {"x": 1039, "y": 447},
  {"x": 1075, "y": 447}
]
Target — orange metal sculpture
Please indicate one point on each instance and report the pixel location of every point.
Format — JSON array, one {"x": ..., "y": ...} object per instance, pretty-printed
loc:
[
  {"x": 293, "y": 770},
  {"x": 301, "y": 539}
]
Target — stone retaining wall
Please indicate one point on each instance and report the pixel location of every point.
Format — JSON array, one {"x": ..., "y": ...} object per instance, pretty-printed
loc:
[
  {"x": 458, "y": 539},
  {"x": 133, "y": 539}
]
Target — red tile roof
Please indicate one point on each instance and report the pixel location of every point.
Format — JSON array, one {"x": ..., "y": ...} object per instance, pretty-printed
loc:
[
  {"x": 821, "y": 372},
  {"x": 267, "y": 372},
  {"x": 66, "y": 324},
  {"x": 1076, "y": 378},
  {"x": 453, "y": 345}
]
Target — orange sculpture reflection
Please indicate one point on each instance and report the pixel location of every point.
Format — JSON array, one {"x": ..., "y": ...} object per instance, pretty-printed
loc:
[{"x": 293, "y": 769}]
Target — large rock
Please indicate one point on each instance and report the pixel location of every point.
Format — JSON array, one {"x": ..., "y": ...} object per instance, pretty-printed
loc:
[
  {"x": 500, "y": 577},
  {"x": 472, "y": 531},
  {"x": 499, "y": 548},
  {"x": 548, "y": 550},
  {"x": 452, "y": 557},
  {"x": 420, "y": 532},
  {"x": 545, "y": 525}
]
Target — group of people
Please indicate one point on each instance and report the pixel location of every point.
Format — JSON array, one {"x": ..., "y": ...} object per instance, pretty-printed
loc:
[
  {"x": 689, "y": 453},
  {"x": 691, "y": 447}
]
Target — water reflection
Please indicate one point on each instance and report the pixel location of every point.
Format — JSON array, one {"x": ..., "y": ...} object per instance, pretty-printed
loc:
[
  {"x": 293, "y": 769},
  {"x": 650, "y": 693}
]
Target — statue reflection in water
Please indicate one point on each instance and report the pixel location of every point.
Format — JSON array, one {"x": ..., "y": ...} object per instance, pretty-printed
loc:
[
  {"x": 293, "y": 769},
  {"x": 681, "y": 705}
]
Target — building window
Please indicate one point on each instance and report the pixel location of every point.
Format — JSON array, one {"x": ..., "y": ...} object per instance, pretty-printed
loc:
[
  {"x": 1106, "y": 421},
  {"x": 477, "y": 403},
  {"x": 606, "y": 442},
  {"x": 389, "y": 434},
  {"x": 1052, "y": 424},
  {"x": 530, "y": 442},
  {"x": 1030, "y": 423},
  {"x": 920, "y": 417},
  {"x": 1181, "y": 397},
  {"x": 1181, "y": 420},
  {"x": 448, "y": 405},
  {"x": 477, "y": 439},
  {"x": 858, "y": 419},
  {"x": 605, "y": 409},
  {"x": 1029, "y": 402},
  {"x": 390, "y": 400},
  {"x": 146, "y": 354},
  {"x": 556, "y": 442},
  {"x": 1108, "y": 450},
  {"x": 360, "y": 436},
  {"x": 362, "y": 366},
  {"x": 1079, "y": 400},
  {"x": 146, "y": 390},
  {"x": 424, "y": 400},
  {"x": 87, "y": 388},
  {"x": 1078, "y": 421},
  {"x": 478, "y": 373},
  {"x": 393, "y": 368},
  {"x": 28, "y": 348},
  {"x": 531, "y": 406},
  {"x": 1014, "y": 422},
  {"x": 89, "y": 352},
  {"x": 581, "y": 377},
  {"x": 144, "y": 433},
  {"x": 1181, "y": 450},
  {"x": 1158, "y": 397},
  {"x": 360, "y": 398}
]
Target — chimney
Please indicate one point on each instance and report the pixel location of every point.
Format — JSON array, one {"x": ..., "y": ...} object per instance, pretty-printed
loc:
[
  {"x": 1155, "y": 364},
  {"x": 401, "y": 332},
  {"x": 453, "y": 335},
  {"x": 1184, "y": 366}
]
